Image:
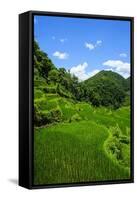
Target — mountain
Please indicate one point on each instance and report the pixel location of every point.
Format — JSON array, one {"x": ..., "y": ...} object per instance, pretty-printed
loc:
[
  {"x": 108, "y": 76},
  {"x": 107, "y": 88}
]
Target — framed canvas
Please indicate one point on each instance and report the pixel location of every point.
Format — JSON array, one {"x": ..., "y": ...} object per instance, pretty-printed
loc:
[{"x": 76, "y": 95}]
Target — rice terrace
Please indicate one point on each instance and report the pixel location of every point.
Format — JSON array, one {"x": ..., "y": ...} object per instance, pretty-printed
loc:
[{"x": 81, "y": 126}]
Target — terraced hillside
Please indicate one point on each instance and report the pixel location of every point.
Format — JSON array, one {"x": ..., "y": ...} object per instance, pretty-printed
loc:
[
  {"x": 84, "y": 144},
  {"x": 74, "y": 139}
]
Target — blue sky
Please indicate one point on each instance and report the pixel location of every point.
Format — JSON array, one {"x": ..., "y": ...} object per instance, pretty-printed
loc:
[{"x": 85, "y": 46}]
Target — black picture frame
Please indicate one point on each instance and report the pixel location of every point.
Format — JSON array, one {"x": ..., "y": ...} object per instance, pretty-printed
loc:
[{"x": 26, "y": 96}]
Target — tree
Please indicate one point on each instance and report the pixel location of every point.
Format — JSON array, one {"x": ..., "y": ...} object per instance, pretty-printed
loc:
[
  {"x": 41, "y": 61},
  {"x": 53, "y": 75}
]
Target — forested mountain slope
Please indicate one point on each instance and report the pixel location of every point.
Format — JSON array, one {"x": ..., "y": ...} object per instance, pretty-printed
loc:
[
  {"x": 54, "y": 86},
  {"x": 107, "y": 88}
]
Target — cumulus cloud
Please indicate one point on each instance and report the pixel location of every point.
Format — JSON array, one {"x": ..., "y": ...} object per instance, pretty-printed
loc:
[
  {"x": 124, "y": 55},
  {"x": 61, "y": 55},
  {"x": 123, "y": 68},
  {"x": 80, "y": 71},
  {"x": 92, "y": 46}
]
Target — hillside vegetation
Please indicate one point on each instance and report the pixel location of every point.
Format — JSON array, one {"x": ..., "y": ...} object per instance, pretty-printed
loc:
[
  {"x": 82, "y": 129},
  {"x": 107, "y": 88}
]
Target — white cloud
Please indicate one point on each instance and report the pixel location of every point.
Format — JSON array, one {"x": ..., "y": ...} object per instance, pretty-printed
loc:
[
  {"x": 61, "y": 55},
  {"x": 123, "y": 68},
  {"x": 99, "y": 42},
  {"x": 63, "y": 40},
  {"x": 124, "y": 55},
  {"x": 80, "y": 71},
  {"x": 90, "y": 46}
]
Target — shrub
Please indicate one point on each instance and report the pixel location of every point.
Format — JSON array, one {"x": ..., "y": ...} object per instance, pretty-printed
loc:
[
  {"x": 53, "y": 75},
  {"x": 48, "y": 117},
  {"x": 38, "y": 93},
  {"x": 41, "y": 118},
  {"x": 50, "y": 89},
  {"x": 124, "y": 139},
  {"x": 45, "y": 105},
  {"x": 116, "y": 131},
  {"x": 75, "y": 117},
  {"x": 116, "y": 145},
  {"x": 56, "y": 114}
]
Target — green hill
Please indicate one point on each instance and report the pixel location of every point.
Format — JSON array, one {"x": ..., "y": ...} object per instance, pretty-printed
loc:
[
  {"x": 106, "y": 88},
  {"x": 108, "y": 75}
]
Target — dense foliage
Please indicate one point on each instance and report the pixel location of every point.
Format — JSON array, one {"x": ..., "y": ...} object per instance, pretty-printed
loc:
[
  {"x": 107, "y": 88},
  {"x": 82, "y": 129}
]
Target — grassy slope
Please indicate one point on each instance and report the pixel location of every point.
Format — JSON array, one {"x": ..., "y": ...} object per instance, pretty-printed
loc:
[
  {"x": 73, "y": 153},
  {"x": 73, "y": 150}
]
